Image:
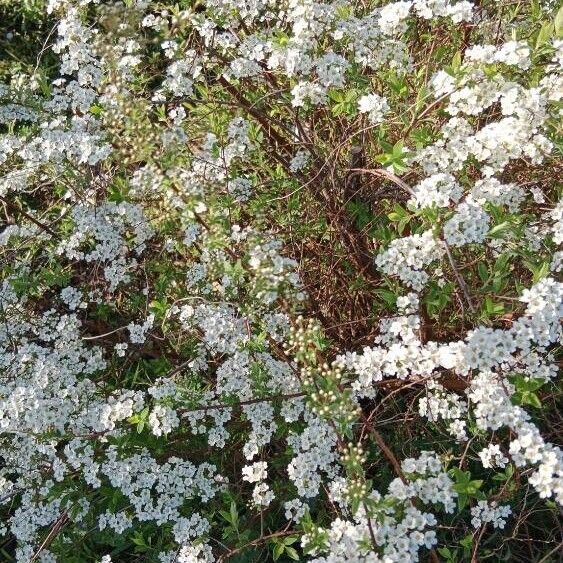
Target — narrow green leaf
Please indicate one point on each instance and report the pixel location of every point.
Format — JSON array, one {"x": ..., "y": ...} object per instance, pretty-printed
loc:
[
  {"x": 558, "y": 23},
  {"x": 278, "y": 550},
  {"x": 292, "y": 553}
]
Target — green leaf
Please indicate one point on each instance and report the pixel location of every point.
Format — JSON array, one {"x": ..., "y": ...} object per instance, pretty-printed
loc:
[
  {"x": 143, "y": 415},
  {"x": 388, "y": 296},
  {"x": 535, "y": 384},
  {"x": 278, "y": 550},
  {"x": 462, "y": 501},
  {"x": 290, "y": 540},
  {"x": 539, "y": 270},
  {"x": 505, "y": 475},
  {"x": 138, "y": 539},
  {"x": 467, "y": 541},
  {"x": 499, "y": 229},
  {"x": 525, "y": 391},
  {"x": 96, "y": 110},
  {"x": 483, "y": 272},
  {"x": 234, "y": 513},
  {"x": 292, "y": 553},
  {"x": 529, "y": 398},
  {"x": 402, "y": 224},
  {"x": 558, "y": 23},
  {"x": 544, "y": 34},
  {"x": 493, "y": 308},
  {"x": 355, "y": 504},
  {"x": 398, "y": 148},
  {"x": 400, "y": 211},
  {"x": 336, "y": 95},
  {"x": 456, "y": 62},
  {"x": 421, "y": 96},
  {"x": 460, "y": 476},
  {"x": 524, "y": 384}
]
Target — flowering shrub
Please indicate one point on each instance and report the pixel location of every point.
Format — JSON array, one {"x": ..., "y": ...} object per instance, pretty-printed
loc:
[{"x": 280, "y": 280}]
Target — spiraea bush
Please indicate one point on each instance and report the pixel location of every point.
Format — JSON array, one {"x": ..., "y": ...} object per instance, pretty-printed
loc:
[{"x": 280, "y": 280}]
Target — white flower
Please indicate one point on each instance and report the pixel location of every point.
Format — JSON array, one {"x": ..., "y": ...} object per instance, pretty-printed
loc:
[
  {"x": 375, "y": 106},
  {"x": 299, "y": 161},
  {"x": 470, "y": 224},
  {"x": 72, "y": 297},
  {"x": 255, "y": 472},
  {"x": 262, "y": 495},
  {"x": 439, "y": 189},
  {"x": 492, "y": 456},
  {"x": 137, "y": 333},
  {"x": 484, "y": 512}
]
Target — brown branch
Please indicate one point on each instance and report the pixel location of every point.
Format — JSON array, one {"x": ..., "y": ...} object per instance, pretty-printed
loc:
[
  {"x": 59, "y": 524},
  {"x": 246, "y": 402},
  {"x": 385, "y": 449},
  {"x": 14, "y": 209},
  {"x": 382, "y": 173},
  {"x": 252, "y": 543},
  {"x": 459, "y": 278}
]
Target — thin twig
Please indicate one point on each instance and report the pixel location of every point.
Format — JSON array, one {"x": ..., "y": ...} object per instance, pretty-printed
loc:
[
  {"x": 247, "y": 402},
  {"x": 460, "y": 280},
  {"x": 14, "y": 209},
  {"x": 554, "y": 550},
  {"x": 383, "y": 173},
  {"x": 59, "y": 524}
]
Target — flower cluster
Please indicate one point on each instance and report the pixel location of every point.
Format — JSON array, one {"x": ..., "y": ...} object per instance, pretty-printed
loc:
[
  {"x": 485, "y": 512},
  {"x": 407, "y": 257}
]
